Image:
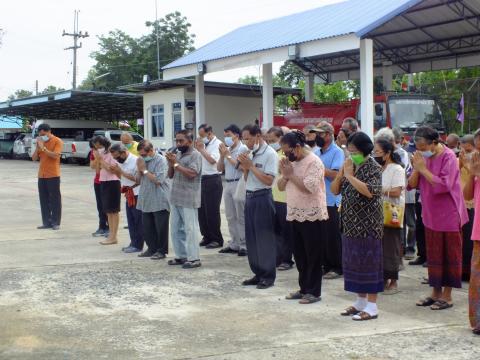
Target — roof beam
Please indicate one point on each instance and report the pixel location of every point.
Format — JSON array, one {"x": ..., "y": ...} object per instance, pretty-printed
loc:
[
  {"x": 443, "y": 3},
  {"x": 461, "y": 13}
]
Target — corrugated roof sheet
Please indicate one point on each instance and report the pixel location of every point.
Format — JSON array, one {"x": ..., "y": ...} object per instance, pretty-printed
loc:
[
  {"x": 10, "y": 123},
  {"x": 354, "y": 16}
]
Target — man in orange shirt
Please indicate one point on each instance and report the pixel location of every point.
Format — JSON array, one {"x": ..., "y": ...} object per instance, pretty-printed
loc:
[{"x": 48, "y": 151}]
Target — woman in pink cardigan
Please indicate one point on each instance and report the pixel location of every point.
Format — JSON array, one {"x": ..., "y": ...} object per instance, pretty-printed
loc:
[
  {"x": 437, "y": 175},
  {"x": 303, "y": 180}
]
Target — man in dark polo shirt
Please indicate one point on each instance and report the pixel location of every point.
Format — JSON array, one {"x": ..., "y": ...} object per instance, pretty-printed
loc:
[{"x": 48, "y": 151}]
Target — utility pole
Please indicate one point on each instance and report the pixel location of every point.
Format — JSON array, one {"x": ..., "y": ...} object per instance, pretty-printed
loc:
[
  {"x": 76, "y": 35},
  {"x": 159, "y": 71}
]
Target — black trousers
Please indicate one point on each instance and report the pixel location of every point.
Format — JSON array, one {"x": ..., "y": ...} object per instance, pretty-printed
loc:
[
  {"x": 283, "y": 234},
  {"x": 420, "y": 232},
  {"x": 259, "y": 234},
  {"x": 308, "y": 251},
  {"x": 333, "y": 243},
  {"x": 209, "y": 211},
  {"x": 102, "y": 217},
  {"x": 467, "y": 246},
  {"x": 135, "y": 225},
  {"x": 155, "y": 230},
  {"x": 50, "y": 200}
]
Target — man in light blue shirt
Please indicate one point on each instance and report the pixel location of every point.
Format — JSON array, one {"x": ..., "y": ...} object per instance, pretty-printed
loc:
[{"x": 332, "y": 157}]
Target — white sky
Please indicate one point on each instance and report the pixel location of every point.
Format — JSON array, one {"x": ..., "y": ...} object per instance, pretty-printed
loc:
[{"x": 33, "y": 46}]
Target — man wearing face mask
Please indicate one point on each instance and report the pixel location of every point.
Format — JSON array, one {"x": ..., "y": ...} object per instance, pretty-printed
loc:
[
  {"x": 333, "y": 158},
  {"x": 125, "y": 170},
  {"x": 129, "y": 143},
  {"x": 153, "y": 201},
  {"x": 261, "y": 168},
  {"x": 282, "y": 227},
  {"x": 311, "y": 137},
  {"x": 48, "y": 151},
  {"x": 234, "y": 207},
  {"x": 209, "y": 213}
]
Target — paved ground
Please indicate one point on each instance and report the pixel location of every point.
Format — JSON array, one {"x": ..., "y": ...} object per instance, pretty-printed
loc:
[{"x": 63, "y": 296}]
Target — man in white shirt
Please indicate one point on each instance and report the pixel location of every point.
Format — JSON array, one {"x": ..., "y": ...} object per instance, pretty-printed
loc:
[
  {"x": 209, "y": 212},
  {"x": 126, "y": 169}
]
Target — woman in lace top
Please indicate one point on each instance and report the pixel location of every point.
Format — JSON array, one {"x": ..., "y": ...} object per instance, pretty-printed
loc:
[{"x": 303, "y": 180}]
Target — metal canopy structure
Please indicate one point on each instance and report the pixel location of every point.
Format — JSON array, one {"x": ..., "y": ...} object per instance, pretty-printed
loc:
[
  {"x": 355, "y": 39},
  {"x": 77, "y": 105},
  {"x": 432, "y": 35}
]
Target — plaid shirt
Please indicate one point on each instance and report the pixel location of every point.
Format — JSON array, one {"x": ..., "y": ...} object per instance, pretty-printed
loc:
[{"x": 187, "y": 192}]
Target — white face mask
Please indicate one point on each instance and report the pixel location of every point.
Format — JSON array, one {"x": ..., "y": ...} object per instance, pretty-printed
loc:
[
  {"x": 205, "y": 140},
  {"x": 101, "y": 149},
  {"x": 275, "y": 146},
  {"x": 256, "y": 147}
]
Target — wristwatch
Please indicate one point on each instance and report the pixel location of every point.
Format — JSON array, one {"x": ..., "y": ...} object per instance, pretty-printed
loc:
[{"x": 145, "y": 172}]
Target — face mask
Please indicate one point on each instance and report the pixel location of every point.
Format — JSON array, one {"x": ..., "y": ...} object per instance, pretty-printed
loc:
[
  {"x": 357, "y": 159},
  {"x": 121, "y": 160},
  {"x": 468, "y": 156},
  {"x": 320, "y": 141},
  {"x": 275, "y": 146},
  {"x": 427, "y": 154},
  {"x": 183, "y": 149},
  {"x": 44, "y": 138},
  {"x": 291, "y": 156},
  {"x": 311, "y": 143},
  {"x": 128, "y": 146},
  {"x": 229, "y": 141},
  {"x": 101, "y": 150},
  {"x": 147, "y": 158},
  {"x": 380, "y": 160},
  {"x": 256, "y": 147},
  {"x": 205, "y": 140}
]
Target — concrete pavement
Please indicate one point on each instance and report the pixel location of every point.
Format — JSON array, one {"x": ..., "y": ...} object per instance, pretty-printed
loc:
[{"x": 63, "y": 296}]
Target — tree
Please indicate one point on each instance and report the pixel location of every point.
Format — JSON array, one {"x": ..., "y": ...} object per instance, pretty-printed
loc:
[
  {"x": 51, "y": 89},
  {"x": 20, "y": 94},
  {"x": 249, "y": 80},
  {"x": 126, "y": 59}
]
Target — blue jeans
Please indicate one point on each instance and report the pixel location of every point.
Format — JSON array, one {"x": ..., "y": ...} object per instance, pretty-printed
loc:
[{"x": 185, "y": 233}]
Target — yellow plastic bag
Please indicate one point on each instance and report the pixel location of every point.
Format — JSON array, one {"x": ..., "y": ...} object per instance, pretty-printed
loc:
[{"x": 393, "y": 215}]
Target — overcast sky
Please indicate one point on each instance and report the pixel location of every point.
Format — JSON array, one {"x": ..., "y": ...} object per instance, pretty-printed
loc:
[{"x": 33, "y": 46}]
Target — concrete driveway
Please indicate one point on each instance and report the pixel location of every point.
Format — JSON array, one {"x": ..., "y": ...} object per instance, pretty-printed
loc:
[{"x": 63, "y": 296}]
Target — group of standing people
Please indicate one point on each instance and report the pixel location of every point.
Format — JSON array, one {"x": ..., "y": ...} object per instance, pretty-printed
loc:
[{"x": 334, "y": 206}]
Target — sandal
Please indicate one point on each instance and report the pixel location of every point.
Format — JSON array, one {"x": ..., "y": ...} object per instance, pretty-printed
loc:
[
  {"x": 441, "y": 305},
  {"x": 476, "y": 331},
  {"x": 177, "y": 262},
  {"x": 426, "y": 302},
  {"x": 363, "y": 316},
  {"x": 294, "y": 296},
  {"x": 350, "y": 311},
  {"x": 309, "y": 299}
]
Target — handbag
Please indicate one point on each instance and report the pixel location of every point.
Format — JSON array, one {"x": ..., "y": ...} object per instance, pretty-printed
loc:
[{"x": 393, "y": 214}]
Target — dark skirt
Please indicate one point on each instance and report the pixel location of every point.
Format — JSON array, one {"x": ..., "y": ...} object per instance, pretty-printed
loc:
[
  {"x": 444, "y": 258},
  {"x": 362, "y": 264},
  {"x": 392, "y": 250},
  {"x": 111, "y": 194}
]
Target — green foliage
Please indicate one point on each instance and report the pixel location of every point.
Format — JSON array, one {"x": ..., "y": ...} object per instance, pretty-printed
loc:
[
  {"x": 249, "y": 80},
  {"x": 20, "y": 94},
  {"x": 126, "y": 59},
  {"x": 51, "y": 89}
]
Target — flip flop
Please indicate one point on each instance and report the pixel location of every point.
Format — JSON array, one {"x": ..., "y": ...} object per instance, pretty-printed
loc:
[
  {"x": 426, "y": 302},
  {"x": 350, "y": 311},
  {"x": 441, "y": 305},
  {"x": 363, "y": 316},
  {"x": 294, "y": 296},
  {"x": 309, "y": 299}
]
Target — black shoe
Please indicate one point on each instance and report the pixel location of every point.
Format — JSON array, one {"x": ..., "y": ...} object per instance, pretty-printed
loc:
[
  {"x": 264, "y": 285},
  {"x": 417, "y": 261},
  {"x": 242, "y": 252},
  {"x": 43, "y": 227},
  {"x": 213, "y": 245},
  {"x": 251, "y": 282},
  {"x": 158, "y": 256},
  {"x": 425, "y": 265},
  {"x": 228, "y": 250},
  {"x": 204, "y": 242},
  {"x": 177, "y": 262},
  {"x": 192, "y": 264},
  {"x": 55, "y": 227},
  {"x": 146, "y": 253}
]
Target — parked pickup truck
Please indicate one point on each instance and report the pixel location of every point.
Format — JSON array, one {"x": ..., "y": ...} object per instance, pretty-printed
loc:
[
  {"x": 7, "y": 140},
  {"x": 80, "y": 150}
]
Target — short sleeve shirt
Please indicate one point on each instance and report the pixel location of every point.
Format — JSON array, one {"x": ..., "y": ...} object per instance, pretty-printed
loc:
[
  {"x": 186, "y": 192},
  {"x": 266, "y": 160},
  {"x": 153, "y": 197},
  {"x": 333, "y": 159},
  {"x": 212, "y": 149},
  {"x": 231, "y": 173},
  {"x": 106, "y": 175},
  {"x": 133, "y": 149},
  {"x": 393, "y": 176},
  {"x": 50, "y": 167},
  {"x": 129, "y": 167}
]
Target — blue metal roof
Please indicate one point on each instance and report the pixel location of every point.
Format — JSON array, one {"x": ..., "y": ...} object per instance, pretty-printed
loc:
[
  {"x": 349, "y": 17},
  {"x": 10, "y": 123}
]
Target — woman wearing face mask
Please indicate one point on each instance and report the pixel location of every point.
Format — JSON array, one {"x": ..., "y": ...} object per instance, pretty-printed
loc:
[
  {"x": 361, "y": 219},
  {"x": 303, "y": 180},
  {"x": 437, "y": 175},
  {"x": 393, "y": 187},
  {"x": 110, "y": 188}
]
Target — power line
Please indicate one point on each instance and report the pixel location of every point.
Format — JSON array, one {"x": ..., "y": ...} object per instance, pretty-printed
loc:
[{"x": 76, "y": 35}]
